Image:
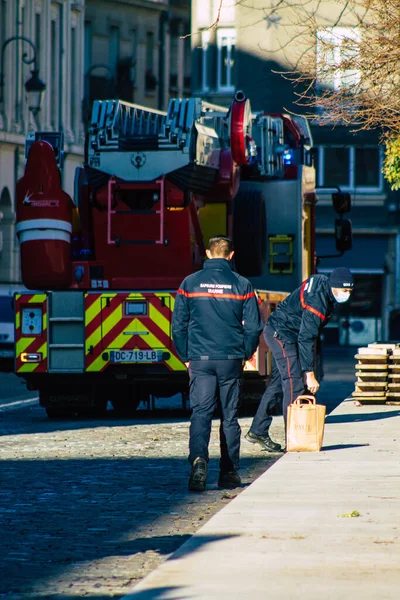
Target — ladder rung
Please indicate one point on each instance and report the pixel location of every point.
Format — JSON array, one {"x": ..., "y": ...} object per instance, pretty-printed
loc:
[
  {"x": 122, "y": 242},
  {"x": 66, "y": 345},
  {"x": 136, "y": 212},
  {"x": 66, "y": 319}
]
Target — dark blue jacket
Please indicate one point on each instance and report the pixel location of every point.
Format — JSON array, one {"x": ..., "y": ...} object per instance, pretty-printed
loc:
[
  {"x": 301, "y": 316},
  {"x": 216, "y": 315}
]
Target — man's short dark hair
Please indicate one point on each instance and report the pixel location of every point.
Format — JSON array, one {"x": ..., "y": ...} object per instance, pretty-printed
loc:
[{"x": 220, "y": 245}]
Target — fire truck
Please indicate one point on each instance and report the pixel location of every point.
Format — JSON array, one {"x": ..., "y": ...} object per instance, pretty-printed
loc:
[{"x": 104, "y": 266}]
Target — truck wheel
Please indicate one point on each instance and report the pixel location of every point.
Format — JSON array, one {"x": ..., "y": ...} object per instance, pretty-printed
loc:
[
  {"x": 249, "y": 232},
  {"x": 59, "y": 412},
  {"x": 124, "y": 401}
]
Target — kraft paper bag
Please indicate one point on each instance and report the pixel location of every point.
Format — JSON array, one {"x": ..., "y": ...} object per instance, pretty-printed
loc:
[{"x": 305, "y": 425}]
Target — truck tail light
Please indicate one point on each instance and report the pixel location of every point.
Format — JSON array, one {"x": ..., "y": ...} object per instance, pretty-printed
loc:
[{"x": 31, "y": 357}]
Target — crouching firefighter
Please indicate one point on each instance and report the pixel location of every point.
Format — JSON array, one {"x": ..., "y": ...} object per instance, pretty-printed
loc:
[
  {"x": 216, "y": 326},
  {"x": 290, "y": 333}
]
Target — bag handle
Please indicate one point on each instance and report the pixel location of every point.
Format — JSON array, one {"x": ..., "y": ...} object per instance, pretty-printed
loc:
[{"x": 306, "y": 398}]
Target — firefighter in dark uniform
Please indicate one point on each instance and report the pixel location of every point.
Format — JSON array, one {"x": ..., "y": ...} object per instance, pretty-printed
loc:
[
  {"x": 216, "y": 326},
  {"x": 290, "y": 333}
]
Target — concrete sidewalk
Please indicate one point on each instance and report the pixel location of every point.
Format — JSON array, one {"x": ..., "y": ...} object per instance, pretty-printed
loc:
[{"x": 288, "y": 537}]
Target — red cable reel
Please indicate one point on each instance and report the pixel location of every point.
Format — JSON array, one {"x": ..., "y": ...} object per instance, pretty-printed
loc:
[{"x": 240, "y": 123}]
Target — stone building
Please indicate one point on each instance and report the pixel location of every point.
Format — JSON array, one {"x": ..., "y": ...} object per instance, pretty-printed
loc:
[
  {"x": 56, "y": 31},
  {"x": 130, "y": 49}
]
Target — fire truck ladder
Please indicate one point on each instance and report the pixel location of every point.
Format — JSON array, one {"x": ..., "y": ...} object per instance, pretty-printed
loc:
[{"x": 157, "y": 187}]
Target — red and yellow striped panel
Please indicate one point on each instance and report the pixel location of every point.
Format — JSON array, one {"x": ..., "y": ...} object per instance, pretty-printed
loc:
[
  {"x": 107, "y": 327},
  {"x": 30, "y": 343}
]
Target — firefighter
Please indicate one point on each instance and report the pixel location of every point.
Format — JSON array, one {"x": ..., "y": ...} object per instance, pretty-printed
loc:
[
  {"x": 290, "y": 333},
  {"x": 216, "y": 326}
]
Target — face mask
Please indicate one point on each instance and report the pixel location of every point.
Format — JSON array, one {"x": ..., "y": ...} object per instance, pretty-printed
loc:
[{"x": 341, "y": 296}]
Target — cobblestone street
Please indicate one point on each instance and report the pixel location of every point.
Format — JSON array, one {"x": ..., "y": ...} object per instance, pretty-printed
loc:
[{"x": 87, "y": 508}]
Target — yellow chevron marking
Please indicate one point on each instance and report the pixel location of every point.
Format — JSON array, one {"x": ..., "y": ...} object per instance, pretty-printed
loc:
[
  {"x": 38, "y": 298},
  {"x": 22, "y": 344},
  {"x": 175, "y": 363},
  {"x": 29, "y": 367},
  {"x": 92, "y": 311},
  {"x": 150, "y": 339},
  {"x": 43, "y": 350},
  {"x": 18, "y": 320},
  {"x": 160, "y": 320},
  {"x": 98, "y": 364},
  {"x": 44, "y": 322},
  {"x": 172, "y": 302},
  {"x": 104, "y": 327},
  {"x": 112, "y": 320}
]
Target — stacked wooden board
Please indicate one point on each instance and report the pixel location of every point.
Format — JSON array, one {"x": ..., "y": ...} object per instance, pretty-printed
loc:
[
  {"x": 393, "y": 391},
  {"x": 378, "y": 374}
]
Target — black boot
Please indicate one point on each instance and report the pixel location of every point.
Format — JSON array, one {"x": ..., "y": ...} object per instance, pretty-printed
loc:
[
  {"x": 264, "y": 441},
  {"x": 198, "y": 476},
  {"x": 229, "y": 480}
]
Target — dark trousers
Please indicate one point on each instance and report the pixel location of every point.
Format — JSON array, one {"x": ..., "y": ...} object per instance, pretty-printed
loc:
[
  {"x": 210, "y": 380},
  {"x": 286, "y": 381}
]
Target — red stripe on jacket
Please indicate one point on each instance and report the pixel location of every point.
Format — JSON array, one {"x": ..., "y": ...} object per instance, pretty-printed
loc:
[
  {"x": 215, "y": 295},
  {"x": 307, "y": 306}
]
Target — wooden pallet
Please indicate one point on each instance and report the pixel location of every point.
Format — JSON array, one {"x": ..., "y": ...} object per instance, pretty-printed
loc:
[
  {"x": 371, "y": 376},
  {"x": 389, "y": 346},
  {"x": 361, "y": 366},
  {"x": 380, "y": 359},
  {"x": 370, "y": 400},
  {"x": 371, "y": 386},
  {"x": 370, "y": 394}
]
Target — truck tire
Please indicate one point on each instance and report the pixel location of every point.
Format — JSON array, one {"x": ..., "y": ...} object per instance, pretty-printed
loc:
[
  {"x": 59, "y": 412},
  {"x": 125, "y": 401},
  {"x": 249, "y": 232}
]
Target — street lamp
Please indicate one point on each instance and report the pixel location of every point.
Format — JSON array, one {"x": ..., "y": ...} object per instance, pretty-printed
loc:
[{"x": 34, "y": 86}]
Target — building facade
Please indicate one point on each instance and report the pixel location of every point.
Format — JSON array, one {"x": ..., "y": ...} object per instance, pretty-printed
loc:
[
  {"x": 249, "y": 47},
  {"x": 135, "y": 50},
  {"x": 56, "y": 31}
]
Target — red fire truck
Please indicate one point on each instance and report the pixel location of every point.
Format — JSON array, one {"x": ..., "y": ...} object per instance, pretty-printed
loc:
[{"x": 104, "y": 266}]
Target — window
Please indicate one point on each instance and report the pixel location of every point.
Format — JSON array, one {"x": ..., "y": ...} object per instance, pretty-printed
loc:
[
  {"x": 150, "y": 51},
  {"x": 336, "y": 166},
  {"x": 73, "y": 71},
  {"x": 367, "y": 167},
  {"x": 114, "y": 49},
  {"x": 337, "y": 57},
  {"x": 150, "y": 79},
  {"x": 54, "y": 87},
  {"x": 134, "y": 56},
  {"x": 3, "y": 21},
  {"x": 203, "y": 55},
  {"x": 174, "y": 67},
  {"x": 38, "y": 25},
  {"x": 352, "y": 168},
  {"x": 88, "y": 45},
  {"x": 226, "y": 59}
]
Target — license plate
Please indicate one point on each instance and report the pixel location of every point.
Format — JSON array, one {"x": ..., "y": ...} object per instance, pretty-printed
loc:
[{"x": 135, "y": 356}]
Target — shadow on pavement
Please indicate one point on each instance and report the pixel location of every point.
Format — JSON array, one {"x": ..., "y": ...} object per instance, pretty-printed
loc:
[
  {"x": 342, "y": 447},
  {"x": 156, "y": 594},
  {"x": 59, "y": 518},
  {"x": 351, "y": 418}
]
